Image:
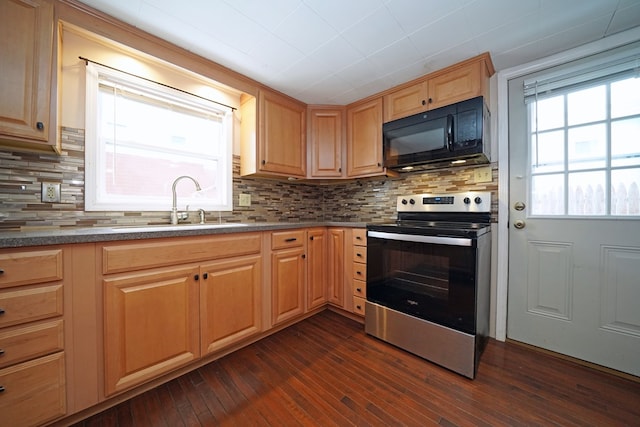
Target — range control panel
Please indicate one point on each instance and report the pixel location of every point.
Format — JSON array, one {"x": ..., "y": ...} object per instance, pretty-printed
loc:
[{"x": 470, "y": 201}]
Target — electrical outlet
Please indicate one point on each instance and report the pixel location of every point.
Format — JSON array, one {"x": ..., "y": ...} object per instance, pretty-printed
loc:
[
  {"x": 51, "y": 192},
  {"x": 245, "y": 200},
  {"x": 482, "y": 174}
]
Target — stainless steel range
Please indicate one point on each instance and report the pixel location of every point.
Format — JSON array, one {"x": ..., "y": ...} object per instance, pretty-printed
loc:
[{"x": 428, "y": 278}]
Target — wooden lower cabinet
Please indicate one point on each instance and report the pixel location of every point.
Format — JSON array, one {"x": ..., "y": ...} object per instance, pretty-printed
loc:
[
  {"x": 336, "y": 266},
  {"x": 230, "y": 301},
  {"x": 151, "y": 325},
  {"x": 316, "y": 267},
  {"x": 33, "y": 392},
  {"x": 287, "y": 284}
]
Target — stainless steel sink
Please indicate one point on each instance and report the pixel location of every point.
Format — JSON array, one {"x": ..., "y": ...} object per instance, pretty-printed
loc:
[{"x": 179, "y": 227}]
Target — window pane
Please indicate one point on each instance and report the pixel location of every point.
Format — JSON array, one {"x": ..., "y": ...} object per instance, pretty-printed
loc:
[
  {"x": 587, "y": 147},
  {"x": 550, "y": 113},
  {"x": 625, "y": 97},
  {"x": 625, "y": 193},
  {"x": 549, "y": 155},
  {"x": 625, "y": 142},
  {"x": 547, "y": 194},
  {"x": 586, "y": 193},
  {"x": 588, "y": 105}
]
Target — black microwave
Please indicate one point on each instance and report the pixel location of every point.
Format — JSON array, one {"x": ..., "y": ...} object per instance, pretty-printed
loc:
[{"x": 448, "y": 136}]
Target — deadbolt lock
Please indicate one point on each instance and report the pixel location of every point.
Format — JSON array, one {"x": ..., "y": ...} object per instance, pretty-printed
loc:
[{"x": 519, "y": 206}]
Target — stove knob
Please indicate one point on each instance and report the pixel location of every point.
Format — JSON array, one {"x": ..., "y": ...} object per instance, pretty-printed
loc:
[
  {"x": 478, "y": 200},
  {"x": 413, "y": 202},
  {"x": 467, "y": 200},
  {"x": 404, "y": 201}
]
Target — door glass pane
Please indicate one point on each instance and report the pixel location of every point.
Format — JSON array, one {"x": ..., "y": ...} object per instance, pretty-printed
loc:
[
  {"x": 547, "y": 194},
  {"x": 550, "y": 114},
  {"x": 586, "y": 193},
  {"x": 625, "y": 192},
  {"x": 625, "y": 99},
  {"x": 587, "y": 105},
  {"x": 547, "y": 153},
  {"x": 587, "y": 147},
  {"x": 625, "y": 142}
]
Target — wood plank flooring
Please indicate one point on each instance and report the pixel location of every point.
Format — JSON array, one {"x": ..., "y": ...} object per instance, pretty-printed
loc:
[{"x": 325, "y": 371}]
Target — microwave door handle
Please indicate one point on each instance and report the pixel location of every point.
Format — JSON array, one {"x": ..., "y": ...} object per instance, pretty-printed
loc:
[{"x": 450, "y": 132}]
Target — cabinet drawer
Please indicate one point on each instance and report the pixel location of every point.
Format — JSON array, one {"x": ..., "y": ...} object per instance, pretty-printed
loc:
[
  {"x": 359, "y": 288},
  {"x": 26, "y": 304},
  {"x": 360, "y": 254},
  {"x": 26, "y": 268},
  {"x": 34, "y": 391},
  {"x": 27, "y": 342},
  {"x": 133, "y": 256},
  {"x": 360, "y": 271},
  {"x": 287, "y": 239},
  {"x": 358, "y": 305},
  {"x": 360, "y": 236}
]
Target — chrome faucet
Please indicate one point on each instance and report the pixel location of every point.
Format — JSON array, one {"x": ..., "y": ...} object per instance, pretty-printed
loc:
[{"x": 175, "y": 216}]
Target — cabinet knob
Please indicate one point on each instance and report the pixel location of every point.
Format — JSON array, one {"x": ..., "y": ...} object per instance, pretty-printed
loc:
[
  {"x": 205, "y": 276},
  {"x": 1, "y": 311},
  {"x": 358, "y": 289},
  {"x": 424, "y": 102},
  {"x": 1, "y": 271},
  {"x": 196, "y": 277},
  {"x": 430, "y": 101},
  {"x": 303, "y": 256},
  {"x": 311, "y": 238},
  {"x": 1, "y": 352},
  {"x": 339, "y": 169},
  {"x": 40, "y": 126},
  {"x": 1, "y": 388},
  {"x": 358, "y": 307},
  {"x": 359, "y": 255},
  {"x": 379, "y": 164},
  {"x": 264, "y": 162},
  {"x": 358, "y": 273},
  {"x": 358, "y": 238}
]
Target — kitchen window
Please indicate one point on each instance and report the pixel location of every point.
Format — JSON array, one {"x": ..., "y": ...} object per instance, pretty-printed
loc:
[
  {"x": 141, "y": 136},
  {"x": 584, "y": 157}
]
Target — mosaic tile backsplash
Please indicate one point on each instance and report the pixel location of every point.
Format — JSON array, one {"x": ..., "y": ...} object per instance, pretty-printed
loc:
[{"x": 363, "y": 200}]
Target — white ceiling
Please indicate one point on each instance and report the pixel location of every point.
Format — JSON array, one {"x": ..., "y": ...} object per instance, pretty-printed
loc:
[{"x": 339, "y": 51}]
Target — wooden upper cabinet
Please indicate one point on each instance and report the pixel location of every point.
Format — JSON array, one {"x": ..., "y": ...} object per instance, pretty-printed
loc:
[
  {"x": 459, "y": 82},
  {"x": 276, "y": 144},
  {"x": 325, "y": 142},
  {"x": 364, "y": 138},
  {"x": 26, "y": 70}
]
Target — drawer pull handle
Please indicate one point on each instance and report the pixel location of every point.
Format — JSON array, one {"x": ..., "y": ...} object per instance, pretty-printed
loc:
[
  {"x": 357, "y": 272},
  {"x": 359, "y": 255},
  {"x": 358, "y": 289},
  {"x": 358, "y": 307},
  {"x": 205, "y": 276},
  {"x": 290, "y": 239},
  {"x": 358, "y": 238}
]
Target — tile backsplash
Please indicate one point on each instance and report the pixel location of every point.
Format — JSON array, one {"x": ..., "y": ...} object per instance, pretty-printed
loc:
[{"x": 363, "y": 200}]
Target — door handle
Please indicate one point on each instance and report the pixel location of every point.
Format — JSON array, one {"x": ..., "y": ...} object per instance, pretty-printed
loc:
[{"x": 519, "y": 224}]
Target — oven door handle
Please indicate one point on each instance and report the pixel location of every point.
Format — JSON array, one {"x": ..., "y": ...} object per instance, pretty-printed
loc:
[{"x": 451, "y": 241}]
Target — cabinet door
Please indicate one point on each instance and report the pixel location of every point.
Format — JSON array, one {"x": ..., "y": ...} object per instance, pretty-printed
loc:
[
  {"x": 151, "y": 325},
  {"x": 364, "y": 138},
  {"x": 326, "y": 142},
  {"x": 230, "y": 299},
  {"x": 406, "y": 102},
  {"x": 26, "y": 31},
  {"x": 282, "y": 141},
  {"x": 336, "y": 266},
  {"x": 316, "y": 267},
  {"x": 287, "y": 284},
  {"x": 456, "y": 85}
]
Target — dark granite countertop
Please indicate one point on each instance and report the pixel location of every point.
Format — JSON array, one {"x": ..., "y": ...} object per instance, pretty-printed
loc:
[{"x": 59, "y": 236}]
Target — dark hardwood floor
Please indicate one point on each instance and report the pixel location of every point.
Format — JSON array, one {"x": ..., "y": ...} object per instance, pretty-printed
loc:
[{"x": 326, "y": 371}]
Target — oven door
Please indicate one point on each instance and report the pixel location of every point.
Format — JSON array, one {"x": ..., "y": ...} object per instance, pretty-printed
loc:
[{"x": 428, "y": 277}]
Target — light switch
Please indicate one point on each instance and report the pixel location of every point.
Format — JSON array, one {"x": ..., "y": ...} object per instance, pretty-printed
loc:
[{"x": 245, "y": 200}]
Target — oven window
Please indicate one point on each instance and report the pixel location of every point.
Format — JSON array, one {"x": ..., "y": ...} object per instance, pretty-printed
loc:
[{"x": 429, "y": 281}]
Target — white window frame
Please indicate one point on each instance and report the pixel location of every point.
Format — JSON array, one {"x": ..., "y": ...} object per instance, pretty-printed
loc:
[{"x": 95, "y": 198}]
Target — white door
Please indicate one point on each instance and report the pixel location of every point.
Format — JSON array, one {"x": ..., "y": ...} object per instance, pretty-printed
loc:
[{"x": 574, "y": 220}]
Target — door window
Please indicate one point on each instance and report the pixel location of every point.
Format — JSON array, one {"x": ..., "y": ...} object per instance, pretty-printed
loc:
[{"x": 584, "y": 157}]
